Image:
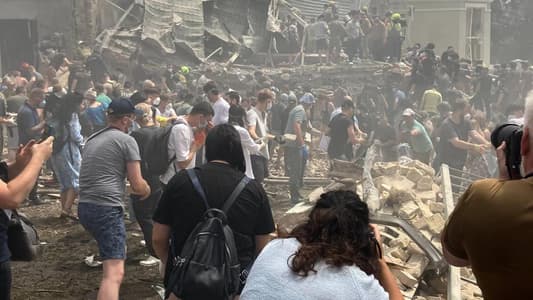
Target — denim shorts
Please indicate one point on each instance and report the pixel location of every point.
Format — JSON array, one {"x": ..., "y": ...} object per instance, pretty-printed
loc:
[{"x": 106, "y": 225}]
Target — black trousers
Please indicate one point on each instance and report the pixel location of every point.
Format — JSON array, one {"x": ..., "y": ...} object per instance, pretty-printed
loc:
[
  {"x": 144, "y": 211},
  {"x": 5, "y": 280},
  {"x": 260, "y": 167}
]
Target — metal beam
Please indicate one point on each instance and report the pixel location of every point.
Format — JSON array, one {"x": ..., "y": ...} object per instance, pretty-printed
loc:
[{"x": 454, "y": 273}]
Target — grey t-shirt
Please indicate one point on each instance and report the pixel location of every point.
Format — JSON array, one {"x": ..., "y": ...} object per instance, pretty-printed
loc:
[
  {"x": 104, "y": 167},
  {"x": 299, "y": 115}
]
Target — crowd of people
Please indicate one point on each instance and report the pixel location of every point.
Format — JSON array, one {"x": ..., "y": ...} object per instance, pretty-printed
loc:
[
  {"x": 344, "y": 38},
  {"x": 98, "y": 130}
]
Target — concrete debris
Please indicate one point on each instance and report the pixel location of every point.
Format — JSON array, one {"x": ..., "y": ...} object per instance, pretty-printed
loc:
[{"x": 409, "y": 191}]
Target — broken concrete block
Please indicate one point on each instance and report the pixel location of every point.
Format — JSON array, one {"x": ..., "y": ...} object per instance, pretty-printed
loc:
[
  {"x": 405, "y": 278},
  {"x": 399, "y": 253},
  {"x": 315, "y": 194},
  {"x": 414, "y": 175},
  {"x": 426, "y": 196},
  {"x": 436, "y": 207},
  {"x": 390, "y": 168},
  {"x": 401, "y": 242},
  {"x": 413, "y": 248},
  {"x": 403, "y": 170},
  {"x": 416, "y": 264},
  {"x": 436, "y": 223},
  {"x": 419, "y": 223},
  {"x": 424, "y": 184},
  {"x": 408, "y": 210}
]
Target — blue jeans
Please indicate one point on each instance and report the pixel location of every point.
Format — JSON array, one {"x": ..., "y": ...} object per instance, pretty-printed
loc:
[{"x": 106, "y": 225}]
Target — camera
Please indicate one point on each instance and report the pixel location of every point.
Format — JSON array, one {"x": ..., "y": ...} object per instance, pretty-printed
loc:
[{"x": 511, "y": 134}]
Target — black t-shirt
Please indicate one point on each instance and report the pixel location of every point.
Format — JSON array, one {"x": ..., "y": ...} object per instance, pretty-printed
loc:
[
  {"x": 144, "y": 136},
  {"x": 449, "y": 154},
  {"x": 276, "y": 118},
  {"x": 338, "y": 145},
  {"x": 181, "y": 207}
]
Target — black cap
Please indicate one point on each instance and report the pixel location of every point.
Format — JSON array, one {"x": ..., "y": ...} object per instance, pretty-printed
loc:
[{"x": 121, "y": 106}]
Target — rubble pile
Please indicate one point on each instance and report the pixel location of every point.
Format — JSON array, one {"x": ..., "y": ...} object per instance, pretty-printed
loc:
[{"x": 409, "y": 191}]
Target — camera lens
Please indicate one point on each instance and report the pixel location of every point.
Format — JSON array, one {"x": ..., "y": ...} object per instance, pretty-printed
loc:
[{"x": 503, "y": 133}]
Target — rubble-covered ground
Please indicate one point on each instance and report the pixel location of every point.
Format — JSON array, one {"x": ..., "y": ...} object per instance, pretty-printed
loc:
[{"x": 408, "y": 191}]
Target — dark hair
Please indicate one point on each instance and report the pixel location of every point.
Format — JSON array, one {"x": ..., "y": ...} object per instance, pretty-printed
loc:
[
  {"x": 152, "y": 91},
  {"x": 347, "y": 104},
  {"x": 236, "y": 115},
  {"x": 99, "y": 88},
  {"x": 337, "y": 232},
  {"x": 233, "y": 95},
  {"x": 70, "y": 103},
  {"x": 209, "y": 86},
  {"x": 265, "y": 94},
  {"x": 459, "y": 104},
  {"x": 224, "y": 143},
  {"x": 202, "y": 108}
]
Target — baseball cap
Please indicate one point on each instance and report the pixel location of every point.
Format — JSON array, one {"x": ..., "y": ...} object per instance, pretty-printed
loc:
[
  {"x": 307, "y": 98},
  {"x": 122, "y": 106},
  {"x": 408, "y": 112}
]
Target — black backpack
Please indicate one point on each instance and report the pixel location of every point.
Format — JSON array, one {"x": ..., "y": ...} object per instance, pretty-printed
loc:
[
  {"x": 153, "y": 148},
  {"x": 208, "y": 266}
]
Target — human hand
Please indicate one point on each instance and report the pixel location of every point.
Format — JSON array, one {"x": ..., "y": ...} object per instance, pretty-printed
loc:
[
  {"x": 24, "y": 154},
  {"x": 43, "y": 150},
  {"x": 502, "y": 162},
  {"x": 199, "y": 138}
]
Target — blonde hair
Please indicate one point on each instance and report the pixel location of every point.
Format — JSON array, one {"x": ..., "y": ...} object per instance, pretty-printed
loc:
[{"x": 146, "y": 118}]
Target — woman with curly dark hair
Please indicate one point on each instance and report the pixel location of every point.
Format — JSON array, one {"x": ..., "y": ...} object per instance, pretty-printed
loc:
[{"x": 335, "y": 254}]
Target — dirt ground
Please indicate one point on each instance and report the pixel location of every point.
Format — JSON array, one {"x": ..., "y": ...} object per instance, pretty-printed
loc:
[{"x": 60, "y": 272}]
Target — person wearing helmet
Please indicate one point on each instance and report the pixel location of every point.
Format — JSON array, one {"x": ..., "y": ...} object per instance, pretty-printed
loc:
[{"x": 297, "y": 151}]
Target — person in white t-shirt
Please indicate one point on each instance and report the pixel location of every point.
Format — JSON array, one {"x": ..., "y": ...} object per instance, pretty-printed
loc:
[
  {"x": 220, "y": 106},
  {"x": 257, "y": 126},
  {"x": 186, "y": 138},
  {"x": 237, "y": 115}
]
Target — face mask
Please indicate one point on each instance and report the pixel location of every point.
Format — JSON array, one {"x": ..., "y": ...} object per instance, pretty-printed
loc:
[
  {"x": 157, "y": 101},
  {"x": 269, "y": 106}
]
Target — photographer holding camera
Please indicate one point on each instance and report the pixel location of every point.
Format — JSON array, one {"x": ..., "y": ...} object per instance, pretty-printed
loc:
[{"x": 491, "y": 225}]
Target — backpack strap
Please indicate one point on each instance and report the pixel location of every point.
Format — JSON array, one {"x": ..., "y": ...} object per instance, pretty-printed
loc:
[
  {"x": 236, "y": 192},
  {"x": 197, "y": 186}
]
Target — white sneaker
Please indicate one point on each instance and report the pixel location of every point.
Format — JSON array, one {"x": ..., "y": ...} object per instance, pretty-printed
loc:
[
  {"x": 92, "y": 262},
  {"x": 149, "y": 262}
]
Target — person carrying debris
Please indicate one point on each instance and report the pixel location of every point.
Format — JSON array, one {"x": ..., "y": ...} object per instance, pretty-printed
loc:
[
  {"x": 297, "y": 151},
  {"x": 343, "y": 135}
]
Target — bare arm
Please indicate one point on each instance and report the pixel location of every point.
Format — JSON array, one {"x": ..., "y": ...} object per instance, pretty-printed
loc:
[
  {"x": 261, "y": 241},
  {"x": 23, "y": 173},
  {"x": 385, "y": 276},
  {"x": 138, "y": 184},
  {"x": 160, "y": 241},
  {"x": 352, "y": 136},
  {"x": 253, "y": 134},
  {"x": 456, "y": 142},
  {"x": 298, "y": 132},
  {"x": 192, "y": 155}
]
